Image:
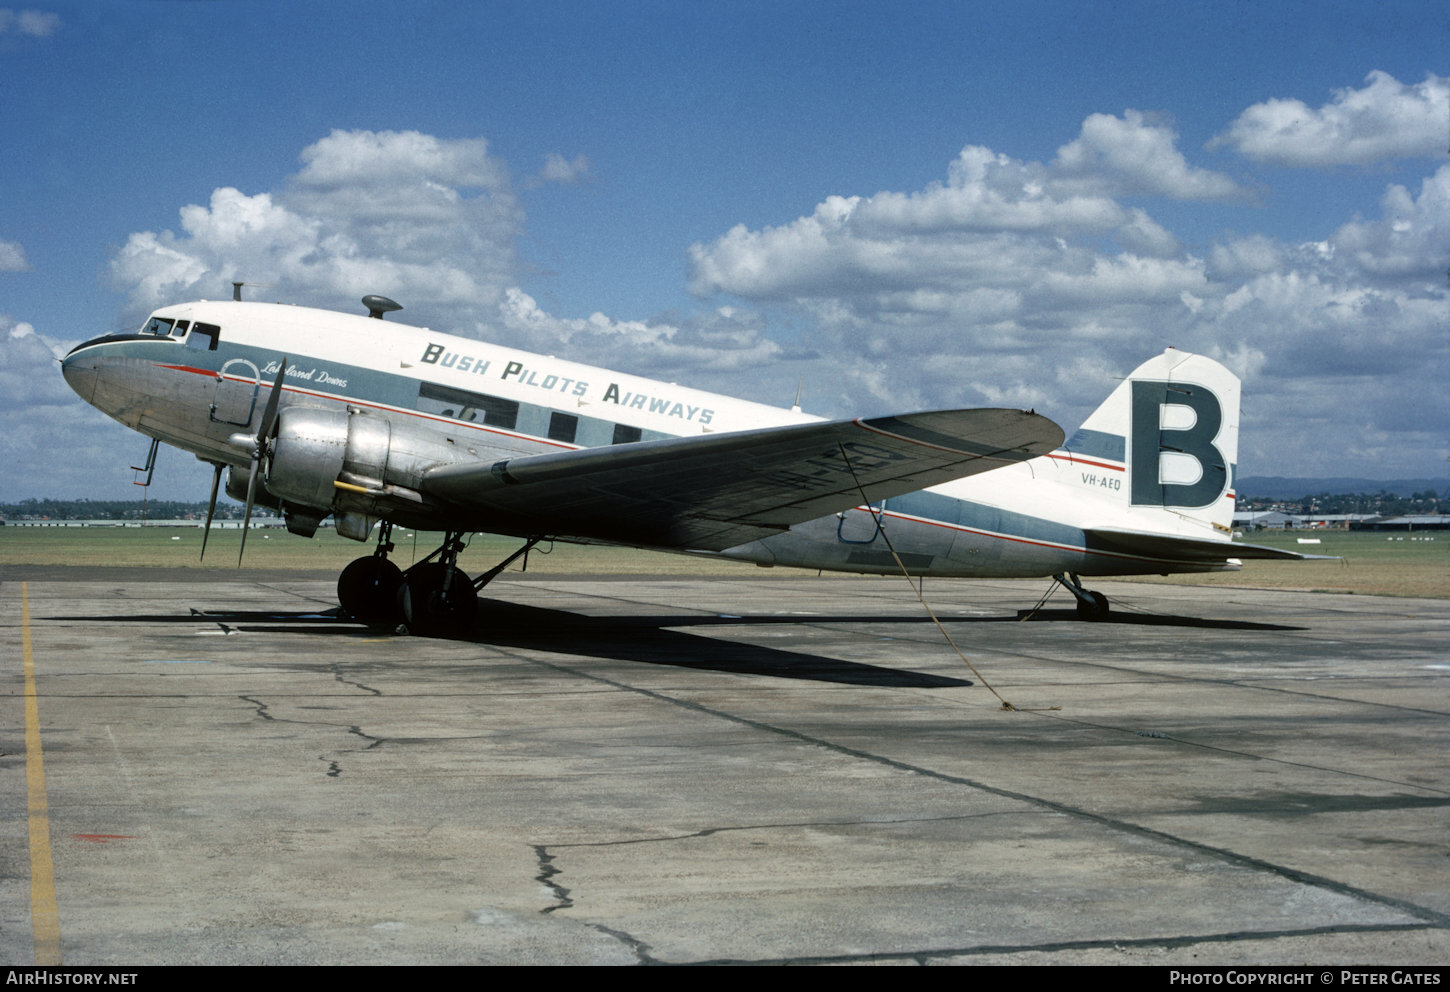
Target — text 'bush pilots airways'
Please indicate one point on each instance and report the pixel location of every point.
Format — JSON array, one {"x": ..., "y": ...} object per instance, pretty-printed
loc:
[{"x": 317, "y": 413}]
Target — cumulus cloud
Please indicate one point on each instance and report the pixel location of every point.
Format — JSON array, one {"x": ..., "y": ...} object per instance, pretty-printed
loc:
[
  {"x": 1033, "y": 284},
  {"x": 1411, "y": 240},
  {"x": 999, "y": 254},
  {"x": 558, "y": 169},
  {"x": 423, "y": 218},
  {"x": 1383, "y": 121},
  {"x": 1007, "y": 282},
  {"x": 34, "y": 23},
  {"x": 1130, "y": 155},
  {"x": 368, "y": 212},
  {"x": 992, "y": 214},
  {"x": 724, "y": 341},
  {"x": 12, "y": 257},
  {"x": 29, "y": 375}
]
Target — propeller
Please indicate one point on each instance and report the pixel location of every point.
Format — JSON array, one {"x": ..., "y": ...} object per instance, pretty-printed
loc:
[
  {"x": 216, "y": 481},
  {"x": 259, "y": 445}
]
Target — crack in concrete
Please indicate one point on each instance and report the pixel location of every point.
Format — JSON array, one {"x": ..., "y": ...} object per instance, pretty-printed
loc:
[
  {"x": 640, "y": 948},
  {"x": 261, "y": 708},
  {"x": 787, "y": 825},
  {"x": 358, "y": 731},
  {"x": 337, "y": 674},
  {"x": 563, "y": 900},
  {"x": 545, "y": 877},
  {"x": 1179, "y": 942},
  {"x": 334, "y": 769},
  {"x": 1115, "y": 824}
]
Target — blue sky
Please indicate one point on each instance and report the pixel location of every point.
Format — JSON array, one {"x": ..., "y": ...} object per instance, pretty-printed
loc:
[{"x": 898, "y": 205}]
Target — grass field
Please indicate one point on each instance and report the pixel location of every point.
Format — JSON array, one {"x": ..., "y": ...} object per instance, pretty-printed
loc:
[
  {"x": 180, "y": 547},
  {"x": 1379, "y": 564},
  {"x": 1370, "y": 563}
]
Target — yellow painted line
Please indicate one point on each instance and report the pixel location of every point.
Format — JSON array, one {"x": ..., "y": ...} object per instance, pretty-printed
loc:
[{"x": 44, "y": 915}]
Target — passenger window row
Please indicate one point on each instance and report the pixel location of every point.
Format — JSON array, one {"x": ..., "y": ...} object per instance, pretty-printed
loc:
[{"x": 527, "y": 418}]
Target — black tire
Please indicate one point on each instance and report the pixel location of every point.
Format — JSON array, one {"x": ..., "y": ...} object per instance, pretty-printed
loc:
[
  {"x": 1092, "y": 606},
  {"x": 427, "y": 610},
  {"x": 368, "y": 591}
]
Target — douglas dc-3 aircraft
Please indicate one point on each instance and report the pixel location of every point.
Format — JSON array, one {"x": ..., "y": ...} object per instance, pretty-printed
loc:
[{"x": 318, "y": 413}]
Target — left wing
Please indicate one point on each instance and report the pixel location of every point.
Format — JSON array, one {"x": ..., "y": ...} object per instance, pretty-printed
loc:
[{"x": 716, "y": 491}]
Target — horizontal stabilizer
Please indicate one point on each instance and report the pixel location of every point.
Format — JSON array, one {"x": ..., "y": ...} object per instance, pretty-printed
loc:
[
  {"x": 1172, "y": 547},
  {"x": 715, "y": 491}
]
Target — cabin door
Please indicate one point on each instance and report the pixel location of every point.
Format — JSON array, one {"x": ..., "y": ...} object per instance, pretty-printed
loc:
[
  {"x": 235, "y": 397},
  {"x": 856, "y": 526}
]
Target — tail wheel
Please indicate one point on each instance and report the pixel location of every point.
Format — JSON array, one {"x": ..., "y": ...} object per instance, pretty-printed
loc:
[
  {"x": 368, "y": 590},
  {"x": 437, "y": 599},
  {"x": 1092, "y": 605}
]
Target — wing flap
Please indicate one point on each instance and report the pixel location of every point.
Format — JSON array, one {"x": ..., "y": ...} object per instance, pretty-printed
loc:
[{"x": 719, "y": 490}]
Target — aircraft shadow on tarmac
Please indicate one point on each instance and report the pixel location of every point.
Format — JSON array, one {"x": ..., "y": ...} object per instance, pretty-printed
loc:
[
  {"x": 1147, "y": 620},
  {"x": 659, "y": 639},
  {"x": 652, "y": 640},
  {"x": 643, "y": 639}
]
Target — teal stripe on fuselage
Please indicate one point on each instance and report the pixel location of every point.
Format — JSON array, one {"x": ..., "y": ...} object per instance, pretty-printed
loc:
[
  {"x": 982, "y": 517},
  {"x": 370, "y": 387},
  {"x": 1097, "y": 444},
  {"x": 344, "y": 383}
]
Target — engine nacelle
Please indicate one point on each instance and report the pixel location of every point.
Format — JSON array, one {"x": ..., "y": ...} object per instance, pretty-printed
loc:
[
  {"x": 236, "y": 488},
  {"x": 357, "y": 465},
  {"x": 306, "y": 456},
  {"x": 302, "y": 521}
]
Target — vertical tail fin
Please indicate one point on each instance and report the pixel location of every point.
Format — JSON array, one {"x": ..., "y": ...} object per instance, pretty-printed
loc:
[{"x": 1173, "y": 425}]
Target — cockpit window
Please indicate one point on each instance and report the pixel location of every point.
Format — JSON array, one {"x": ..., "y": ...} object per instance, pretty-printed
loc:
[
  {"x": 158, "y": 325},
  {"x": 181, "y": 326},
  {"x": 203, "y": 337}
]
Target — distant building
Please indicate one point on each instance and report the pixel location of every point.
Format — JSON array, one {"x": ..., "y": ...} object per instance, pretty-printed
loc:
[
  {"x": 1420, "y": 521},
  {"x": 1261, "y": 519}
]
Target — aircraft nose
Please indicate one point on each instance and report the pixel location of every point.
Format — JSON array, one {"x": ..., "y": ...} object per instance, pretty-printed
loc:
[{"x": 81, "y": 372}]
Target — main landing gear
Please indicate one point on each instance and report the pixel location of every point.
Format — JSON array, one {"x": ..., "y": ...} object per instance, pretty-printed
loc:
[
  {"x": 1090, "y": 605},
  {"x": 433, "y": 598},
  {"x": 368, "y": 587}
]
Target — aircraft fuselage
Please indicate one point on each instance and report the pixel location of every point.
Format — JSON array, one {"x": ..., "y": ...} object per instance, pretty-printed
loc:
[{"x": 198, "y": 377}]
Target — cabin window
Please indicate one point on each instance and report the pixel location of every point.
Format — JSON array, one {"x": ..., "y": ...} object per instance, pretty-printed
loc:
[
  {"x": 203, "y": 337},
  {"x": 477, "y": 408},
  {"x": 624, "y": 434},
  {"x": 563, "y": 427}
]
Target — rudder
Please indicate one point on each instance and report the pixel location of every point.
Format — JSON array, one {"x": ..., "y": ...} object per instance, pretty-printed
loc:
[{"x": 1173, "y": 425}]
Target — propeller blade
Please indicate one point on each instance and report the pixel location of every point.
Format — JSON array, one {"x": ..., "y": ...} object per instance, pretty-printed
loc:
[
  {"x": 247, "y": 517},
  {"x": 264, "y": 433},
  {"x": 216, "y": 481},
  {"x": 269, "y": 412}
]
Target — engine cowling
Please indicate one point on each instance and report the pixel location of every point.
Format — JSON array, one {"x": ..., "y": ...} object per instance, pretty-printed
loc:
[
  {"x": 357, "y": 465},
  {"x": 307, "y": 456}
]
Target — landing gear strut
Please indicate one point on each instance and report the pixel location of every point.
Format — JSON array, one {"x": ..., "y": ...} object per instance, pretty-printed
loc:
[
  {"x": 433, "y": 598},
  {"x": 437, "y": 597},
  {"x": 1090, "y": 605}
]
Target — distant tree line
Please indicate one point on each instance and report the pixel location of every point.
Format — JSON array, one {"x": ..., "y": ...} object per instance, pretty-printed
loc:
[
  {"x": 1382, "y": 504},
  {"x": 121, "y": 509}
]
